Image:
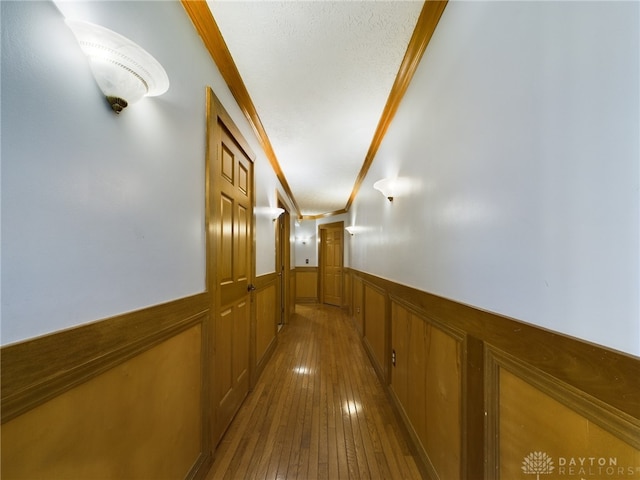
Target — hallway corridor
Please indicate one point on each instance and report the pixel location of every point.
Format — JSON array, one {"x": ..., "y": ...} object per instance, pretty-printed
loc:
[{"x": 317, "y": 411}]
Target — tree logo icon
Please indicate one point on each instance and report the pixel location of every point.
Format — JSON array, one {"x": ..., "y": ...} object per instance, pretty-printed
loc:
[{"x": 537, "y": 463}]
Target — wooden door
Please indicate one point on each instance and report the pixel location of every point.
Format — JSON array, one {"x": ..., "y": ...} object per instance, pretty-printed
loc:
[
  {"x": 232, "y": 272},
  {"x": 282, "y": 239},
  {"x": 331, "y": 265}
]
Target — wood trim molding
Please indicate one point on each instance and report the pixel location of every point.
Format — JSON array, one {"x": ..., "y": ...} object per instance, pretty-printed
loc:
[
  {"x": 426, "y": 25},
  {"x": 599, "y": 384},
  {"x": 306, "y": 300},
  {"x": 324, "y": 215},
  {"x": 262, "y": 283},
  {"x": 200, "y": 467},
  {"x": 473, "y": 411},
  {"x": 491, "y": 397},
  {"x": 382, "y": 366},
  {"x": 327, "y": 226},
  {"x": 37, "y": 370},
  {"x": 206, "y": 26},
  {"x": 307, "y": 269},
  {"x": 622, "y": 425},
  {"x": 214, "y": 104},
  {"x": 266, "y": 280},
  {"x": 607, "y": 375},
  {"x": 451, "y": 330}
]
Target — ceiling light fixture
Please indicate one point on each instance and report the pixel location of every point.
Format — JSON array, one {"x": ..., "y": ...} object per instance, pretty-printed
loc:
[{"x": 124, "y": 71}]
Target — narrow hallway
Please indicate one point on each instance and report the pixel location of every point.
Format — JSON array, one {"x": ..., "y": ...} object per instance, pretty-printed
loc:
[{"x": 317, "y": 411}]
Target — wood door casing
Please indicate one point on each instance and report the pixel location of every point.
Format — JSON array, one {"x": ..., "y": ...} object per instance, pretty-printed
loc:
[{"x": 283, "y": 263}]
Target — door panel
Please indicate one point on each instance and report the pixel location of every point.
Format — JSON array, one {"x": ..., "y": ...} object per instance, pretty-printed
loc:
[
  {"x": 241, "y": 354},
  {"x": 232, "y": 278},
  {"x": 224, "y": 379},
  {"x": 242, "y": 267},
  {"x": 226, "y": 259},
  {"x": 332, "y": 260}
]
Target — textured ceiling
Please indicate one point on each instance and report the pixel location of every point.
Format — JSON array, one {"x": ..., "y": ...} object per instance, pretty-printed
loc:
[{"x": 319, "y": 74}]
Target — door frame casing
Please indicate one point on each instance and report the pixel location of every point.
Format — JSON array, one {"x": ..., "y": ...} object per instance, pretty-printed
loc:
[{"x": 283, "y": 258}]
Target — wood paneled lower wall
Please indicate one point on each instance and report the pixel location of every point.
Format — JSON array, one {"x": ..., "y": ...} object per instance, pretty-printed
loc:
[
  {"x": 488, "y": 397},
  {"x": 293, "y": 288},
  {"x": 266, "y": 322},
  {"x": 125, "y": 397},
  {"x": 306, "y": 284},
  {"x": 101, "y": 400}
]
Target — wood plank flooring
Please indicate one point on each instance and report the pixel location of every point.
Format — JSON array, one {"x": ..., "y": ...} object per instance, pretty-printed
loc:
[{"x": 317, "y": 412}]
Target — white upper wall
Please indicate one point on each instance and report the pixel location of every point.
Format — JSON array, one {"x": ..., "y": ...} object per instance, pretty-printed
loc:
[
  {"x": 104, "y": 214},
  {"x": 520, "y": 139},
  {"x": 306, "y": 246}
]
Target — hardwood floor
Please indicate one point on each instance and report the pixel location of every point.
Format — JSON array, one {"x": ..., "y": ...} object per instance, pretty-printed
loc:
[{"x": 317, "y": 412}]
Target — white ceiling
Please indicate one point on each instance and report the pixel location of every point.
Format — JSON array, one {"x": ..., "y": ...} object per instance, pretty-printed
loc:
[{"x": 319, "y": 74}]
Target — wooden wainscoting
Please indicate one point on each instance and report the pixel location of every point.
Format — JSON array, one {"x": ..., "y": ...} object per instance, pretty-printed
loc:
[
  {"x": 266, "y": 327},
  {"x": 347, "y": 298},
  {"x": 488, "y": 397},
  {"x": 546, "y": 426},
  {"x": 124, "y": 397},
  {"x": 307, "y": 284},
  {"x": 426, "y": 382},
  {"x": 293, "y": 296},
  {"x": 357, "y": 301},
  {"x": 376, "y": 336},
  {"x": 119, "y": 398}
]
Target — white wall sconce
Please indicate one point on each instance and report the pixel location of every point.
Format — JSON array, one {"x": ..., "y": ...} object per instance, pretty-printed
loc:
[
  {"x": 269, "y": 212},
  {"x": 276, "y": 212},
  {"x": 124, "y": 71},
  {"x": 395, "y": 187},
  {"x": 356, "y": 230},
  {"x": 386, "y": 186}
]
